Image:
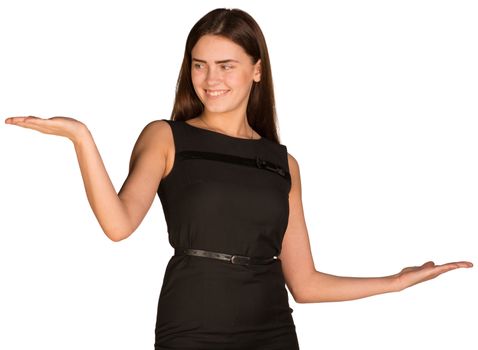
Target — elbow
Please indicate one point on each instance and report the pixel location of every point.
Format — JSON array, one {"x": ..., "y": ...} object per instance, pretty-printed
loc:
[
  {"x": 118, "y": 231},
  {"x": 115, "y": 238},
  {"x": 117, "y": 235},
  {"x": 300, "y": 298},
  {"x": 310, "y": 301},
  {"x": 310, "y": 290},
  {"x": 307, "y": 300}
]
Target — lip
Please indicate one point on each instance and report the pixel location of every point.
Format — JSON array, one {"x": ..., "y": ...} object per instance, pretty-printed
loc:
[{"x": 224, "y": 92}]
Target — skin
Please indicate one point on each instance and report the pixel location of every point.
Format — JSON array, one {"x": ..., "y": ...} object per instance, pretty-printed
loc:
[
  {"x": 119, "y": 214},
  {"x": 218, "y": 64}
]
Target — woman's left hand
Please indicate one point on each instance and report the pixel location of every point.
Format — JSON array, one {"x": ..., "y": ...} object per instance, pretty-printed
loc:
[{"x": 410, "y": 276}]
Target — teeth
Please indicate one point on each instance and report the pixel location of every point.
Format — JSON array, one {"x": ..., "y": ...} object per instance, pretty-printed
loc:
[{"x": 216, "y": 93}]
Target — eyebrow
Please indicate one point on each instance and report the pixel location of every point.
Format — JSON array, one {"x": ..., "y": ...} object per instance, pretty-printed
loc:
[{"x": 217, "y": 62}]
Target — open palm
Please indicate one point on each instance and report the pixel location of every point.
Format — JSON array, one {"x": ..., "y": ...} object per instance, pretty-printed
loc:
[
  {"x": 61, "y": 126},
  {"x": 412, "y": 275}
]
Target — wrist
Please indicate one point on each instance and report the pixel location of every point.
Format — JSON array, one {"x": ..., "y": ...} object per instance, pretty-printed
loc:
[
  {"x": 82, "y": 133},
  {"x": 395, "y": 283}
]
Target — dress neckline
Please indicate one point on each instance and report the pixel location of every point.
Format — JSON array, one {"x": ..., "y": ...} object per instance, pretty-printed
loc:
[{"x": 222, "y": 134}]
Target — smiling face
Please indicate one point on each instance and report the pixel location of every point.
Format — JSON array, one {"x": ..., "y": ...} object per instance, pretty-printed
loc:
[{"x": 222, "y": 74}]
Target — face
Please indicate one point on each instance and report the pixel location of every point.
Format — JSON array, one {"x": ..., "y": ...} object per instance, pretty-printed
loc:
[{"x": 222, "y": 74}]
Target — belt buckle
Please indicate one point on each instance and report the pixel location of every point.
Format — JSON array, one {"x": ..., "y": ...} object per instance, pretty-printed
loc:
[{"x": 242, "y": 260}]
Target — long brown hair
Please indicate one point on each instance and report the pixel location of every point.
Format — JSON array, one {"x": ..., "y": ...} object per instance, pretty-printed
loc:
[{"x": 239, "y": 27}]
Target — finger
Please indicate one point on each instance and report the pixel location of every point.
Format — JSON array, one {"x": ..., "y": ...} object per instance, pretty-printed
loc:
[
  {"x": 16, "y": 120},
  {"x": 23, "y": 122},
  {"x": 32, "y": 122},
  {"x": 13, "y": 120},
  {"x": 449, "y": 267},
  {"x": 458, "y": 264},
  {"x": 465, "y": 264},
  {"x": 32, "y": 119}
]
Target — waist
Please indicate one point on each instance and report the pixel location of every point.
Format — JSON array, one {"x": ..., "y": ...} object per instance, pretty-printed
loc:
[{"x": 232, "y": 258}]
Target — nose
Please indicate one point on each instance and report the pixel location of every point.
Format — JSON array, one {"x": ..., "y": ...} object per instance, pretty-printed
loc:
[{"x": 213, "y": 76}]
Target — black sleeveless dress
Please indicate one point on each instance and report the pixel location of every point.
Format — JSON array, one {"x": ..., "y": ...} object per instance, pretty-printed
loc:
[{"x": 230, "y": 195}]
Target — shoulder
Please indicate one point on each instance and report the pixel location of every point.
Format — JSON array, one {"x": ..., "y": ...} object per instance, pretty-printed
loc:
[
  {"x": 293, "y": 163},
  {"x": 156, "y": 131},
  {"x": 294, "y": 171},
  {"x": 157, "y": 127},
  {"x": 156, "y": 137}
]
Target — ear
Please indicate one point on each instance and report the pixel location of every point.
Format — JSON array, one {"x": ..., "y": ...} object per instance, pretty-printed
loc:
[{"x": 257, "y": 71}]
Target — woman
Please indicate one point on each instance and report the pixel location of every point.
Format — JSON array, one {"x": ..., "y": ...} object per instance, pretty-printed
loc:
[{"x": 231, "y": 196}]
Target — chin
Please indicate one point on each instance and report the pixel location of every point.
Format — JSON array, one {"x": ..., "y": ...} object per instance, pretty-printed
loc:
[{"x": 217, "y": 109}]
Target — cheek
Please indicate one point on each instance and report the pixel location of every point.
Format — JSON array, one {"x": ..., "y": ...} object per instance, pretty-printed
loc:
[
  {"x": 238, "y": 80},
  {"x": 197, "y": 80}
]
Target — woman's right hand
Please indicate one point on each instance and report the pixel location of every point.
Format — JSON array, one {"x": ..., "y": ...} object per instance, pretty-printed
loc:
[{"x": 61, "y": 126}]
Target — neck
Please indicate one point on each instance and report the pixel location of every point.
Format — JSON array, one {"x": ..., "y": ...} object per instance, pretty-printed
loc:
[{"x": 231, "y": 124}]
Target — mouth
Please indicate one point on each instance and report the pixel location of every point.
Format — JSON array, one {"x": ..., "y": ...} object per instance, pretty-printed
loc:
[{"x": 216, "y": 93}]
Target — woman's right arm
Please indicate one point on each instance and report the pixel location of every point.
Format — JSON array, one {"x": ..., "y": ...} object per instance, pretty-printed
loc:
[{"x": 118, "y": 214}]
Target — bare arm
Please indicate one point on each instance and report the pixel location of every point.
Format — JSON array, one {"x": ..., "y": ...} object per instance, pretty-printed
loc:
[
  {"x": 307, "y": 285},
  {"x": 108, "y": 208},
  {"x": 118, "y": 214},
  {"x": 323, "y": 287}
]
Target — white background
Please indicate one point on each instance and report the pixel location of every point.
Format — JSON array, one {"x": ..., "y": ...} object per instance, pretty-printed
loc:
[{"x": 377, "y": 100}]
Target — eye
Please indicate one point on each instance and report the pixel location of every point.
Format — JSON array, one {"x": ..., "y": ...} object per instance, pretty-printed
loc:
[
  {"x": 198, "y": 65},
  {"x": 227, "y": 66}
]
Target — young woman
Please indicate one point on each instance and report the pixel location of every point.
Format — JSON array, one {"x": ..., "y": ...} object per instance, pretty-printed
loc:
[{"x": 231, "y": 196}]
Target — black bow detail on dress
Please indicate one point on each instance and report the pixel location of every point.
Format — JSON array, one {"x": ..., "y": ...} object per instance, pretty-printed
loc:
[
  {"x": 264, "y": 164},
  {"x": 255, "y": 162}
]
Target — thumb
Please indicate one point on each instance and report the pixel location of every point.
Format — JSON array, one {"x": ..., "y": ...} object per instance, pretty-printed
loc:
[{"x": 428, "y": 264}]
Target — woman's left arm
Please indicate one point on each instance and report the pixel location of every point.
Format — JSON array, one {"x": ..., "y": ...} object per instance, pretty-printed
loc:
[
  {"x": 307, "y": 285},
  {"x": 322, "y": 287}
]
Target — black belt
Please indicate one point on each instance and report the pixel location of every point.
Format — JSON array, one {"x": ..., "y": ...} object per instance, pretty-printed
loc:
[{"x": 234, "y": 259}]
